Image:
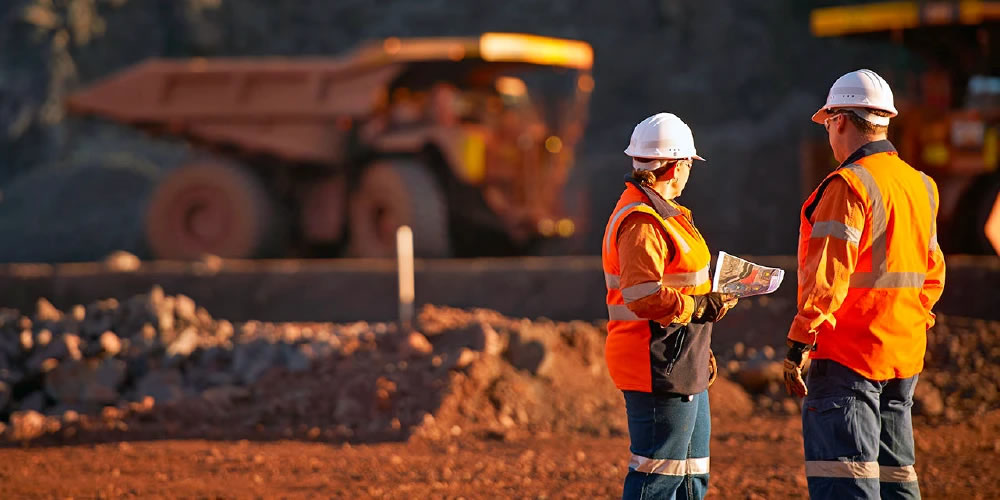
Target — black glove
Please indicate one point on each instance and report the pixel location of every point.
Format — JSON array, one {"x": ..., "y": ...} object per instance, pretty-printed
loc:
[{"x": 712, "y": 307}]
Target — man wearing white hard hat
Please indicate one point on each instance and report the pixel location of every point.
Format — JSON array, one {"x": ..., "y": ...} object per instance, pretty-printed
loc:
[
  {"x": 660, "y": 314},
  {"x": 870, "y": 270}
]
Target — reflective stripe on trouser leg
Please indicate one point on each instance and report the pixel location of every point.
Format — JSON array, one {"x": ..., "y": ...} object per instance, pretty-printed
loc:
[
  {"x": 898, "y": 478},
  {"x": 840, "y": 430},
  {"x": 669, "y": 443}
]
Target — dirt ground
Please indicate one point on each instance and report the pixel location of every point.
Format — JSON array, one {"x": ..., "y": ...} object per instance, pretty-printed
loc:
[{"x": 751, "y": 458}]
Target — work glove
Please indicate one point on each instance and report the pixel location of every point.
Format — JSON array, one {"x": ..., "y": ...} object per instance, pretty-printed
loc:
[
  {"x": 713, "y": 368},
  {"x": 712, "y": 306},
  {"x": 796, "y": 358}
]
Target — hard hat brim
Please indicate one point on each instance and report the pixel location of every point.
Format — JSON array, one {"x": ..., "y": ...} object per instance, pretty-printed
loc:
[
  {"x": 821, "y": 115},
  {"x": 693, "y": 157},
  {"x": 825, "y": 112}
]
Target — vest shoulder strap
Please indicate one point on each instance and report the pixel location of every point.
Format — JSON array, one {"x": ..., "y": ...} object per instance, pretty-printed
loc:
[{"x": 841, "y": 172}]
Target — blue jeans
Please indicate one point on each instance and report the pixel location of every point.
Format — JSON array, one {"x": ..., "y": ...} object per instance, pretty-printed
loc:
[
  {"x": 858, "y": 435},
  {"x": 669, "y": 442}
]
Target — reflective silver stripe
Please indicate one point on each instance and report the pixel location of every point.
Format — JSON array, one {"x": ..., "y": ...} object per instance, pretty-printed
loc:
[
  {"x": 640, "y": 291},
  {"x": 836, "y": 468},
  {"x": 678, "y": 280},
  {"x": 621, "y": 312},
  {"x": 879, "y": 225},
  {"x": 669, "y": 467},
  {"x": 880, "y": 277},
  {"x": 837, "y": 230},
  {"x": 887, "y": 280},
  {"x": 890, "y": 474},
  {"x": 612, "y": 280},
  {"x": 612, "y": 228},
  {"x": 930, "y": 195}
]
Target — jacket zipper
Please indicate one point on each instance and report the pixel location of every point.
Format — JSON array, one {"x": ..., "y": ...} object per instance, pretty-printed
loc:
[{"x": 678, "y": 344}]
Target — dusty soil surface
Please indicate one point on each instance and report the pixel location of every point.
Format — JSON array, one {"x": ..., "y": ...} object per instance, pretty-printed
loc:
[{"x": 755, "y": 458}]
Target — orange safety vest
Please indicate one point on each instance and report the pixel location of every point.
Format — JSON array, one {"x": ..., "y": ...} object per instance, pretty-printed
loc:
[
  {"x": 641, "y": 354},
  {"x": 880, "y": 330}
]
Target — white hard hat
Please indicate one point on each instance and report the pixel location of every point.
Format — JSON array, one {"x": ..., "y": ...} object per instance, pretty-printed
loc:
[
  {"x": 858, "y": 90},
  {"x": 662, "y": 136}
]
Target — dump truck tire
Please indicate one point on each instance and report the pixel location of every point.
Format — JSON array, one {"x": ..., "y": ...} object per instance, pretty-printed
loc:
[
  {"x": 209, "y": 207},
  {"x": 391, "y": 194}
]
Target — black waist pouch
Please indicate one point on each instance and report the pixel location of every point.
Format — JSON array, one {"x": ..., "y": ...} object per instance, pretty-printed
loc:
[{"x": 678, "y": 357}]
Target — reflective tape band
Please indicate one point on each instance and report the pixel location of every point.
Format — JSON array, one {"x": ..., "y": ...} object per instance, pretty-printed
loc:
[
  {"x": 879, "y": 225},
  {"x": 930, "y": 196},
  {"x": 880, "y": 277},
  {"x": 837, "y": 230},
  {"x": 887, "y": 280},
  {"x": 836, "y": 468},
  {"x": 614, "y": 223},
  {"x": 640, "y": 291},
  {"x": 678, "y": 280},
  {"x": 612, "y": 280},
  {"x": 669, "y": 467},
  {"x": 621, "y": 312},
  {"x": 890, "y": 474}
]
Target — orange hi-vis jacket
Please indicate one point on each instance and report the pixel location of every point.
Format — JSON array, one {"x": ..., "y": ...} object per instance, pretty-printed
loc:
[
  {"x": 642, "y": 354},
  {"x": 870, "y": 269}
]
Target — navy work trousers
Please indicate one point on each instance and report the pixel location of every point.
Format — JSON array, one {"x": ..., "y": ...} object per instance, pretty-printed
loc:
[
  {"x": 858, "y": 435},
  {"x": 669, "y": 442}
]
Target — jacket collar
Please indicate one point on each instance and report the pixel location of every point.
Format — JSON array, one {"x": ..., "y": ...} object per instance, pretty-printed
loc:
[
  {"x": 874, "y": 147},
  {"x": 662, "y": 207}
]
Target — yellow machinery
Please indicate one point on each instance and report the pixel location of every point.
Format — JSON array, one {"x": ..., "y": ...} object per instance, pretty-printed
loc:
[{"x": 949, "y": 111}]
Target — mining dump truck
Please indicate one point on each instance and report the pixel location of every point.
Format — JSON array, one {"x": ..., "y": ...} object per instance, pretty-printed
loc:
[
  {"x": 467, "y": 140},
  {"x": 949, "y": 112}
]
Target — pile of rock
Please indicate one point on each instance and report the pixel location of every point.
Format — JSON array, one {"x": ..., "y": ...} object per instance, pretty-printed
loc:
[
  {"x": 151, "y": 347},
  {"x": 157, "y": 365},
  {"x": 463, "y": 372}
]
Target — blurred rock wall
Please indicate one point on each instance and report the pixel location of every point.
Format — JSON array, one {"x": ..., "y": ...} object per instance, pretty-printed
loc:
[{"x": 745, "y": 76}]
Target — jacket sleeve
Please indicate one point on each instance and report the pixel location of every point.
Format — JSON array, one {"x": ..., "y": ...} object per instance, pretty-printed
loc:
[
  {"x": 643, "y": 251},
  {"x": 934, "y": 282},
  {"x": 830, "y": 258}
]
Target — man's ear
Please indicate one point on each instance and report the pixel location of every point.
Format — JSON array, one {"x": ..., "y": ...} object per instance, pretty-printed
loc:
[{"x": 842, "y": 123}]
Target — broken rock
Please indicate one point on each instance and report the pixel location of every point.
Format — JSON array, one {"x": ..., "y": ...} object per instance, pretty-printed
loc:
[
  {"x": 26, "y": 425},
  {"x": 185, "y": 343},
  {"x": 416, "y": 345}
]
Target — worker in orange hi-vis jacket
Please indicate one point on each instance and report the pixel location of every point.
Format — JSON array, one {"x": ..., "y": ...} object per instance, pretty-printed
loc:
[
  {"x": 660, "y": 315},
  {"x": 870, "y": 271}
]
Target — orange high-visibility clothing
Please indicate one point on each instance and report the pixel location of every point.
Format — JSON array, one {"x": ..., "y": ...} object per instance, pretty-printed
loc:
[
  {"x": 643, "y": 355},
  {"x": 870, "y": 269}
]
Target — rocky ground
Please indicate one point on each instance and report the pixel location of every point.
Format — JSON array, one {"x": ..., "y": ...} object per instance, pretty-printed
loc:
[{"x": 464, "y": 402}]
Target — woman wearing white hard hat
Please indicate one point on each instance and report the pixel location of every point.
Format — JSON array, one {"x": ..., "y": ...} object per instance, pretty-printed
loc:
[{"x": 660, "y": 315}]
